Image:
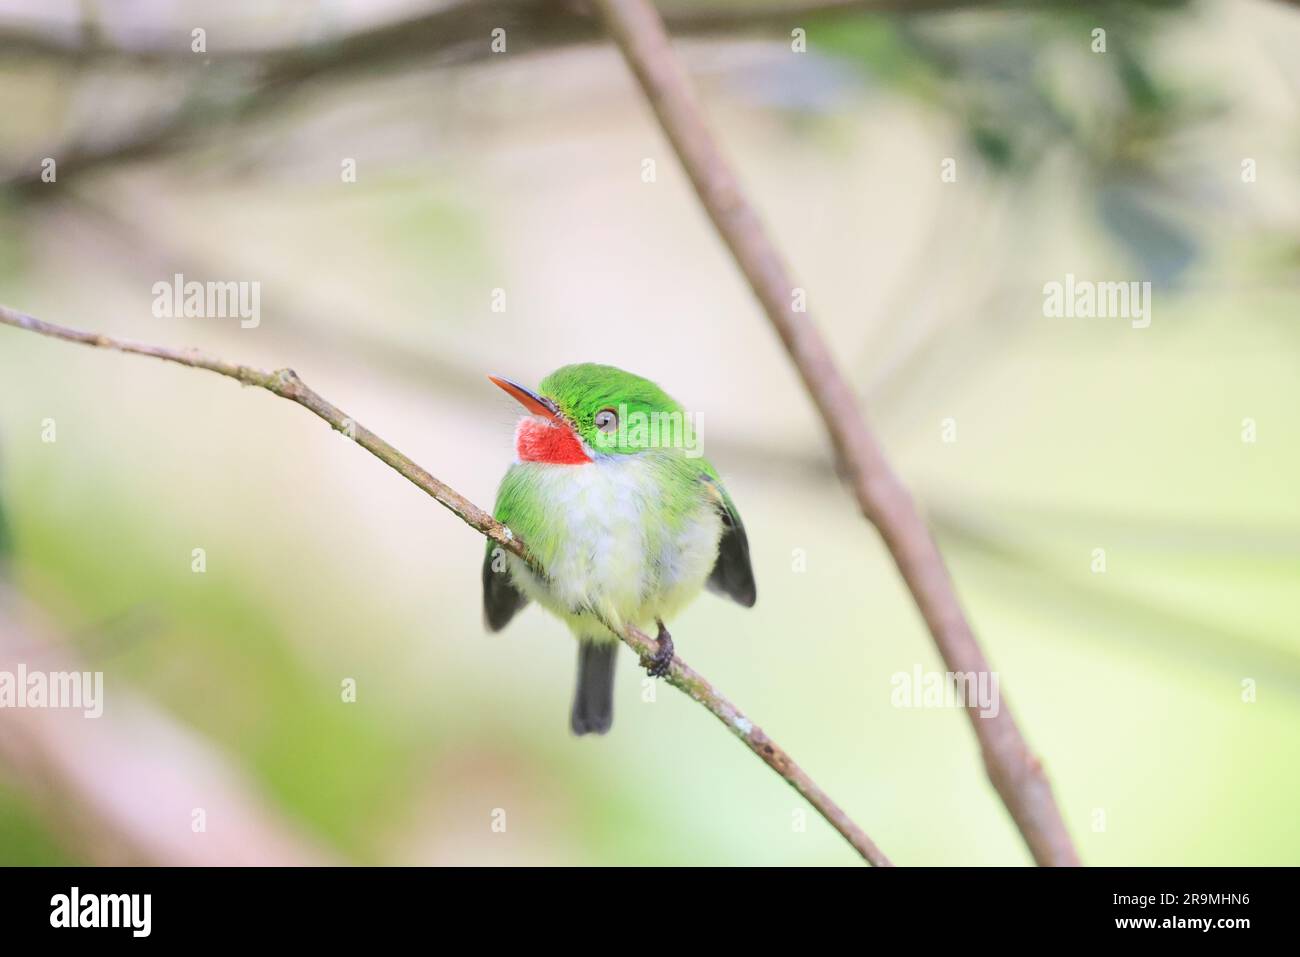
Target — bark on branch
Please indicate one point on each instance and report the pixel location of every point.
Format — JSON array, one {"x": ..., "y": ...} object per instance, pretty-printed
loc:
[
  {"x": 1014, "y": 770},
  {"x": 286, "y": 384}
]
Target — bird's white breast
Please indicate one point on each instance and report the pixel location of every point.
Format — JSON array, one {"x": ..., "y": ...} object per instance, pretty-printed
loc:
[{"x": 612, "y": 553}]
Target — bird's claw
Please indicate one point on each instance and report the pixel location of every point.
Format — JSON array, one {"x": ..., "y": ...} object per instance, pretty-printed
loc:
[{"x": 658, "y": 664}]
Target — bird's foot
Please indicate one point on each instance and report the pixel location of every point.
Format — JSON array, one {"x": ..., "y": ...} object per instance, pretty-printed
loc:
[{"x": 661, "y": 660}]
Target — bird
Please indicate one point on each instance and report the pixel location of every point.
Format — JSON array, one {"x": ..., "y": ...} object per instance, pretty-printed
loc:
[{"x": 611, "y": 494}]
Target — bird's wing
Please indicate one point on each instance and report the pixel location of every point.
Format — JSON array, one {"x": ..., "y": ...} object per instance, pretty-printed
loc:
[
  {"x": 501, "y": 599},
  {"x": 732, "y": 574}
]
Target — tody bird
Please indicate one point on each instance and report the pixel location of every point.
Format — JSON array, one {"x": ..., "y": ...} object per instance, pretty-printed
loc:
[{"x": 609, "y": 492}]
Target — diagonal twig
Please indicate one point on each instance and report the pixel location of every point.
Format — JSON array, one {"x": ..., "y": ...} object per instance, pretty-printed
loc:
[
  {"x": 447, "y": 34},
  {"x": 1015, "y": 772},
  {"x": 286, "y": 384}
]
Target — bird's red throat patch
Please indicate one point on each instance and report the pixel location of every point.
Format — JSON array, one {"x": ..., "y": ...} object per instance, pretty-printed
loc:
[{"x": 537, "y": 440}]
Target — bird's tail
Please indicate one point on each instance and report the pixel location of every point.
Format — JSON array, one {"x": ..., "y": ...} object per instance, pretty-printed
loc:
[{"x": 593, "y": 701}]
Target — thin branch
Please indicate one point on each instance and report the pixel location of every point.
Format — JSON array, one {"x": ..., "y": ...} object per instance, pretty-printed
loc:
[
  {"x": 450, "y": 34},
  {"x": 286, "y": 384},
  {"x": 462, "y": 27},
  {"x": 1012, "y": 767}
]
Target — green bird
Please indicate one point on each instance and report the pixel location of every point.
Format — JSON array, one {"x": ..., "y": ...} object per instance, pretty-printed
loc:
[{"x": 610, "y": 493}]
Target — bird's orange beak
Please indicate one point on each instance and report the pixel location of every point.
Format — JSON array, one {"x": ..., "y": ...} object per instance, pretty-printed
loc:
[{"x": 530, "y": 400}]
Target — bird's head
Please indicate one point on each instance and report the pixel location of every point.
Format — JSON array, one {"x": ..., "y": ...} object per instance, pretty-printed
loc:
[{"x": 580, "y": 413}]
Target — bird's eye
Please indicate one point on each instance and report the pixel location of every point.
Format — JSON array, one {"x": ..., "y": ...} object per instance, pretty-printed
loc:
[{"x": 607, "y": 420}]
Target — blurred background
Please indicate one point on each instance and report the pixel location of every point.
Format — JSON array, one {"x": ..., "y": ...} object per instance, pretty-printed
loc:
[{"x": 1161, "y": 690}]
